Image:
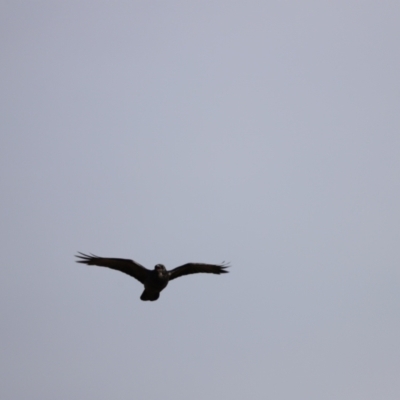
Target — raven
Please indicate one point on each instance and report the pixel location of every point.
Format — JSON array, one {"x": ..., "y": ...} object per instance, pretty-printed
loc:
[{"x": 155, "y": 280}]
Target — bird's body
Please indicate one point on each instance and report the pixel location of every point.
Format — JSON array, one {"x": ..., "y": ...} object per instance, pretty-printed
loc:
[{"x": 155, "y": 280}]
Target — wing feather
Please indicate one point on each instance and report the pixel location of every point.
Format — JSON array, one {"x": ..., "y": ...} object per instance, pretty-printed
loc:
[
  {"x": 195, "y": 268},
  {"x": 126, "y": 266}
]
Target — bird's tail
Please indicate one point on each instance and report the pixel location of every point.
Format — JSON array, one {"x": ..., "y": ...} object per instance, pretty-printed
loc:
[{"x": 151, "y": 296}]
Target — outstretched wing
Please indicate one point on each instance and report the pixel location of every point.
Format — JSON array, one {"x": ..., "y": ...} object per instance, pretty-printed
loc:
[
  {"x": 129, "y": 267},
  {"x": 195, "y": 268}
]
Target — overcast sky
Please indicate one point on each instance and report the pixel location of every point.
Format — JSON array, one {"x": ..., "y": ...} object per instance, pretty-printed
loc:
[{"x": 264, "y": 133}]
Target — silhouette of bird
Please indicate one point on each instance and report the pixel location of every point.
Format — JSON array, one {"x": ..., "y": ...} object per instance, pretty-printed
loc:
[{"x": 155, "y": 280}]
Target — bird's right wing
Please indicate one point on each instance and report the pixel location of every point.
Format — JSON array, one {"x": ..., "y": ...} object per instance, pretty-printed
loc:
[{"x": 129, "y": 267}]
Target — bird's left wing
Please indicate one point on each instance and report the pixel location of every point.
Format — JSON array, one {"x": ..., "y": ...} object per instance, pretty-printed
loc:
[
  {"x": 194, "y": 268},
  {"x": 129, "y": 267}
]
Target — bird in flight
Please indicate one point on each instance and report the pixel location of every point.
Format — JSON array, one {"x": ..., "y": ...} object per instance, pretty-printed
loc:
[{"x": 155, "y": 280}]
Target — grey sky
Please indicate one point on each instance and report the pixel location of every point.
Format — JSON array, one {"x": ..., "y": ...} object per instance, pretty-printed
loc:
[{"x": 261, "y": 133}]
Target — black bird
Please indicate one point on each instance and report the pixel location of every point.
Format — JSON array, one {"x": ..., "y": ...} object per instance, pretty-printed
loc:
[{"x": 155, "y": 280}]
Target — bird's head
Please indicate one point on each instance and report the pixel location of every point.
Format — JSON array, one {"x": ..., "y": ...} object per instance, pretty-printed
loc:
[{"x": 160, "y": 268}]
